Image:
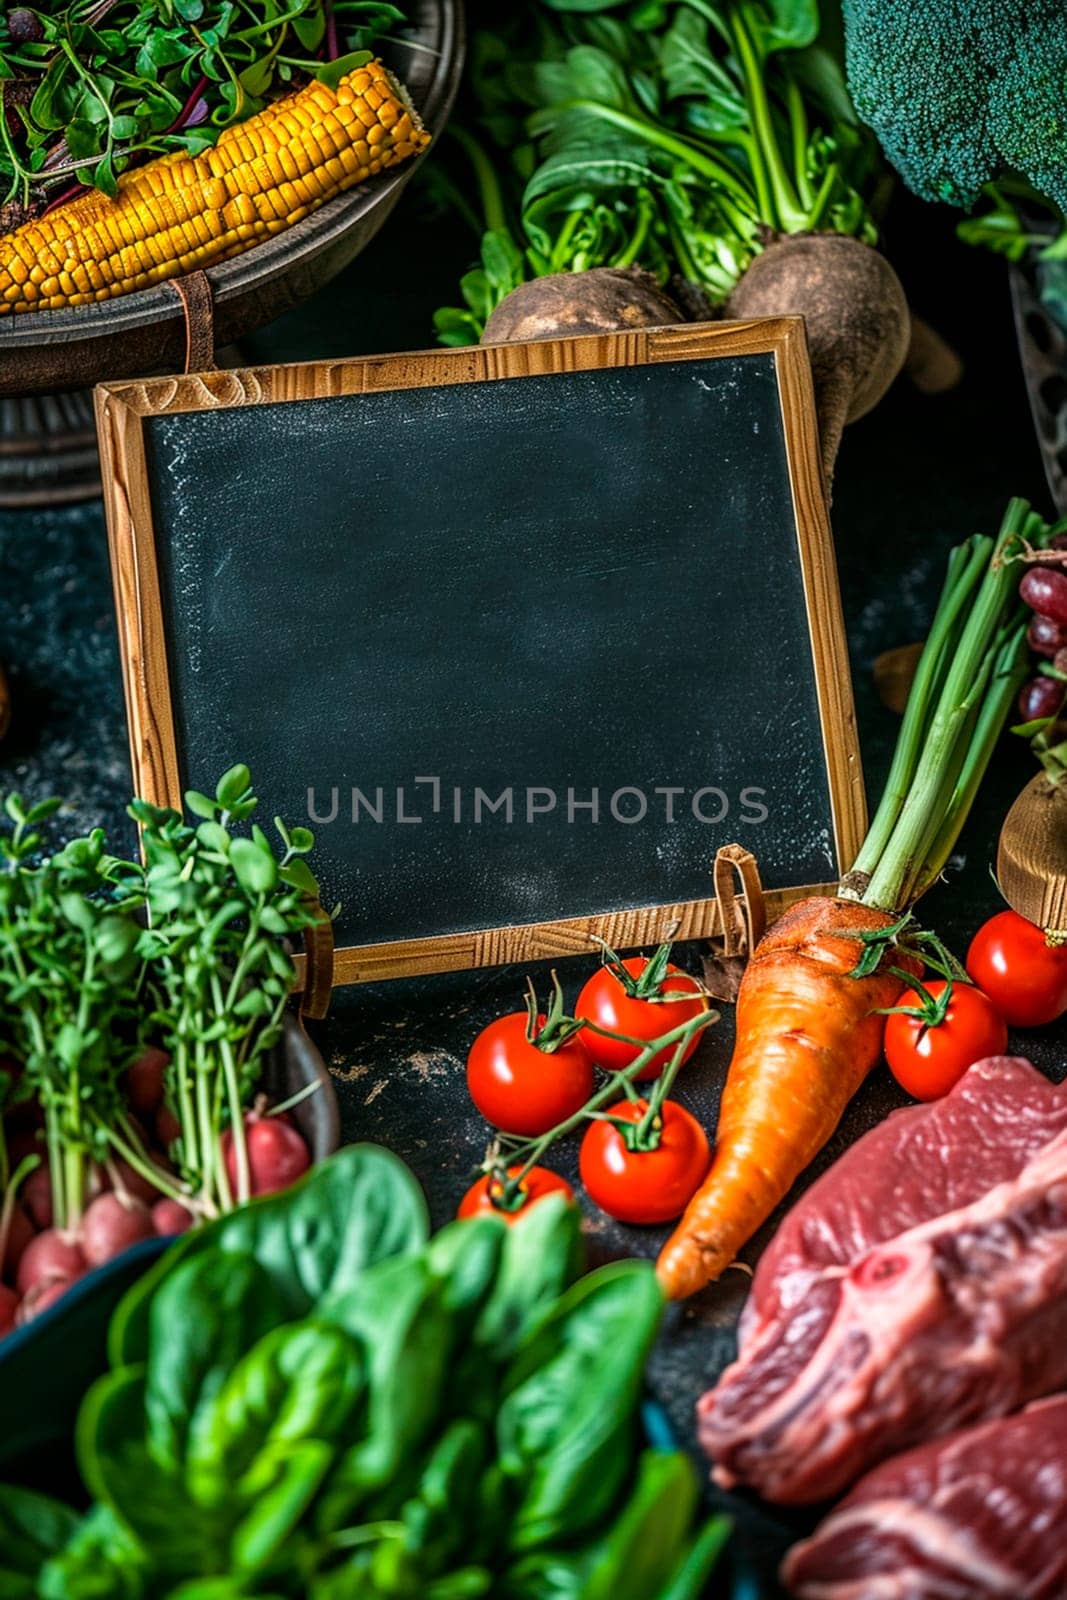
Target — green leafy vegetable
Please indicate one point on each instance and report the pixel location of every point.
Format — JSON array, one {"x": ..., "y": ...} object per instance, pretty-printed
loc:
[
  {"x": 319, "y": 1237},
  {"x": 91, "y": 86},
  {"x": 32, "y": 1528},
  {"x": 675, "y": 136},
  {"x": 446, "y": 1422}
]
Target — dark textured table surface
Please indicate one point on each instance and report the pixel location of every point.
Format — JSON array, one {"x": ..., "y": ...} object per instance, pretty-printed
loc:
[{"x": 915, "y": 476}]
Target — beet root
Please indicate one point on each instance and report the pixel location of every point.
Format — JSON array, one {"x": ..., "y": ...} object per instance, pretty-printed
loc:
[
  {"x": 111, "y": 1224},
  {"x": 855, "y": 313},
  {"x": 565, "y": 304}
]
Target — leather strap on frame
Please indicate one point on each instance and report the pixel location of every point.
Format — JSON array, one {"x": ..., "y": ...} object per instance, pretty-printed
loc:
[
  {"x": 318, "y": 964},
  {"x": 742, "y": 920},
  {"x": 198, "y": 309}
]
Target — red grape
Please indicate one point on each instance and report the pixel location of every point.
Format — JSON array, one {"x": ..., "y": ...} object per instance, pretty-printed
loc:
[
  {"x": 1045, "y": 637},
  {"x": 1045, "y": 591},
  {"x": 1041, "y": 697}
]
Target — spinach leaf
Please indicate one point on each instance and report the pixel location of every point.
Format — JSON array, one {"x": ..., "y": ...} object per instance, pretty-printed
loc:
[
  {"x": 398, "y": 1314},
  {"x": 301, "y": 1381},
  {"x": 204, "y": 1317},
  {"x": 32, "y": 1528},
  {"x": 646, "y": 1551},
  {"x": 278, "y": 1506},
  {"x": 145, "y": 1497},
  {"x": 645, "y": 1542},
  {"x": 101, "y": 1561},
  {"x": 465, "y": 1257},
  {"x": 690, "y": 1580},
  {"x": 218, "y": 1589},
  {"x": 566, "y": 1427},
  {"x": 359, "y": 1207},
  {"x": 439, "y": 1524},
  {"x": 542, "y": 1256}
]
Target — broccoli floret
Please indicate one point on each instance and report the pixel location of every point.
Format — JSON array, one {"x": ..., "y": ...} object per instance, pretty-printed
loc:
[{"x": 961, "y": 91}]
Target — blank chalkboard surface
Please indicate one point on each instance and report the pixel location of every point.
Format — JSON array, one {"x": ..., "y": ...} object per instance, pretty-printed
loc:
[{"x": 523, "y": 633}]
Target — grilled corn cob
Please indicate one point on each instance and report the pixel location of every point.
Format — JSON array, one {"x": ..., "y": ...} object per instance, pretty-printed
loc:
[{"x": 182, "y": 212}]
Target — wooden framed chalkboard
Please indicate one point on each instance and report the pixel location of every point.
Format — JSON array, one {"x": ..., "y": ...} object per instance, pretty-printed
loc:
[{"x": 523, "y": 632}]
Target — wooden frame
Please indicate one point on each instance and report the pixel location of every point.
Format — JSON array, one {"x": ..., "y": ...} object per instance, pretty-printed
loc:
[{"x": 121, "y": 409}]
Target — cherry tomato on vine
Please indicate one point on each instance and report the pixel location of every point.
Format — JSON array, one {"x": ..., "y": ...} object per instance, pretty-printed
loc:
[
  {"x": 1025, "y": 976},
  {"x": 644, "y": 1185},
  {"x": 930, "y": 1049},
  {"x": 528, "y": 1071},
  {"x": 483, "y": 1198},
  {"x": 637, "y": 997}
]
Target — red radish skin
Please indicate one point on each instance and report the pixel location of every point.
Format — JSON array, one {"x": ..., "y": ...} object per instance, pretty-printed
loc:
[
  {"x": 41, "y": 1298},
  {"x": 20, "y": 1232},
  {"x": 50, "y": 1255},
  {"x": 170, "y": 1217},
  {"x": 168, "y": 1128},
  {"x": 9, "y": 1307},
  {"x": 277, "y": 1155},
  {"x": 110, "y": 1225},
  {"x": 128, "y": 1181},
  {"x": 144, "y": 1081},
  {"x": 37, "y": 1198}
]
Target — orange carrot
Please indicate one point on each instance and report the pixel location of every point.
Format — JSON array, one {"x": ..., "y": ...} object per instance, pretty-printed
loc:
[
  {"x": 807, "y": 1036},
  {"x": 807, "y": 1032}
]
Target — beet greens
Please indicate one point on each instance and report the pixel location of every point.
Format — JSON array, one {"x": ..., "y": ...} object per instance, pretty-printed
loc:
[{"x": 676, "y": 135}]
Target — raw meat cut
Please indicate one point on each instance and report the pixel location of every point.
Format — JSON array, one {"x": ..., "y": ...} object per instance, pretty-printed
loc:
[
  {"x": 977, "y": 1516},
  {"x": 920, "y": 1285}
]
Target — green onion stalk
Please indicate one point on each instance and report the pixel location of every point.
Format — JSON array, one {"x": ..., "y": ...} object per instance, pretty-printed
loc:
[{"x": 972, "y": 667}]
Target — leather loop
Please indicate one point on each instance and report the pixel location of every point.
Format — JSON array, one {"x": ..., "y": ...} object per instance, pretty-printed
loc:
[
  {"x": 198, "y": 307},
  {"x": 743, "y": 923},
  {"x": 742, "y": 920},
  {"x": 318, "y": 964}
]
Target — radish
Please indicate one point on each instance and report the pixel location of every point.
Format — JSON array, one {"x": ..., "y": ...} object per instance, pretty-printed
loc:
[
  {"x": 170, "y": 1216},
  {"x": 19, "y": 1233},
  {"x": 49, "y": 1256},
  {"x": 40, "y": 1298},
  {"x": 127, "y": 1181},
  {"x": 144, "y": 1081},
  {"x": 168, "y": 1128},
  {"x": 9, "y": 1306},
  {"x": 111, "y": 1224},
  {"x": 277, "y": 1154},
  {"x": 37, "y": 1197}
]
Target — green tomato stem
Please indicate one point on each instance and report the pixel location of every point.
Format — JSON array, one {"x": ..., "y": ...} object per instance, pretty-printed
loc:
[{"x": 531, "y": 1151}]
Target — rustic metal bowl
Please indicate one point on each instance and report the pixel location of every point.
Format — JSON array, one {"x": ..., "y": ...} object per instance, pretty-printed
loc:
[{"x": 49, "y": 351}]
